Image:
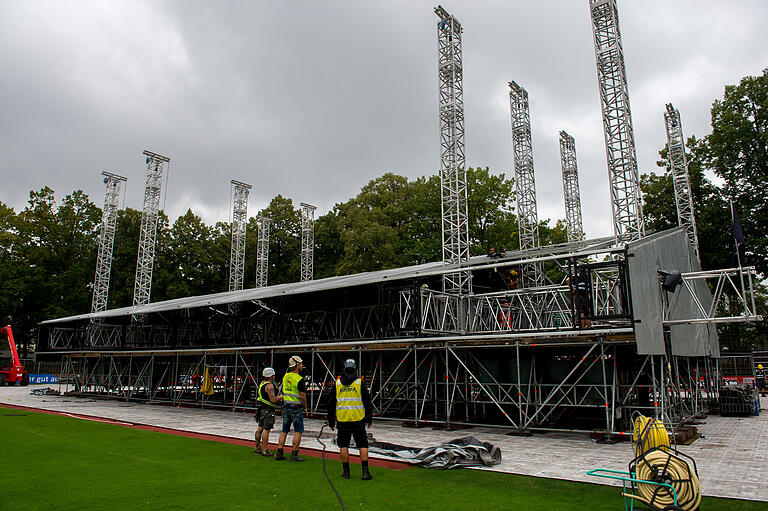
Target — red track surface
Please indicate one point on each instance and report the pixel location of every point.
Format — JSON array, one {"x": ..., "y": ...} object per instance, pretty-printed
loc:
[{"x": 316, "y": 453}]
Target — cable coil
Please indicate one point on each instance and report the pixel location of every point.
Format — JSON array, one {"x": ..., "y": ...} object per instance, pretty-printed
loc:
[
  {"x": 661, "y": 466},
  {"x": 657, "y": 462},
  {"x": 649, "y": 433}
]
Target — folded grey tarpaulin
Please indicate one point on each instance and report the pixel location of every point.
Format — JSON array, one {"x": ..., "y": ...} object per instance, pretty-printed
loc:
[{"x": 461, "y": 452}]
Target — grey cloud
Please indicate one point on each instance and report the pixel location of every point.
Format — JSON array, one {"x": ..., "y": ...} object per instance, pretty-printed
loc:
[{"x": 313, "y": 99}]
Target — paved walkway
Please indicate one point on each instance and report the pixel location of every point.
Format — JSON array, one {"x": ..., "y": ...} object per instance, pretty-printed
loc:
[{"x": 725, "y": 455}]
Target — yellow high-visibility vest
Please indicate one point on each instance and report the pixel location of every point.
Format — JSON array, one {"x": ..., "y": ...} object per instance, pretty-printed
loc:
[
  {"x": 349, "y": 401},
  {"x": 261, "y": 399},
  {"x": 291, "y": 394}
]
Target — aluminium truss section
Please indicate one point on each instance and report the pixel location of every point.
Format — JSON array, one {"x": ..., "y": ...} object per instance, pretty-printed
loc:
[
  {"x": 575, "y": 227},
  {"x": 678, "y": 164},
  {"x": 106, "y": 241},
  {"x": 239, "y": 219},
  {"x": 546, "y": 308},
  {"x": 262, "y": 251},
  {"x": 146, "y": 257},
  {"x": 525, "y": 183},
  {"x": 626, "y": 201},
  {"x": 453, "y": 176},
  {"x": 733, "y": 297},
  {"x": 307, "y": 241}
]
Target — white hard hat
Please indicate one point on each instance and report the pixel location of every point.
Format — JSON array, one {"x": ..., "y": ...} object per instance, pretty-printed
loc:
[
  {"x": 267, "y": 372},
  {"x": 294, "y": 361}
]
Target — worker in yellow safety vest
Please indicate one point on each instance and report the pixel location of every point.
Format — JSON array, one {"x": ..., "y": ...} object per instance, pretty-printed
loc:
[
  {"x": 349, "y": 408},
  {"x": 294, "y": 404},
  {"x": 268, "y": 402}
]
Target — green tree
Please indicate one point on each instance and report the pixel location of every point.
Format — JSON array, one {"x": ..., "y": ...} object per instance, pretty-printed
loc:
[
  {"x": 192, "y": 263},
  {"x": 58, "y": 246},
  {"x": 738, "y": 153}
]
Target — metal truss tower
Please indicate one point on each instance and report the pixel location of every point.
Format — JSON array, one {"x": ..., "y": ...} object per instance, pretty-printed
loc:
[
  {"x": 679, "y": 165},
  {"x": 262, "y": 252},
  {"x": 147, "y": 236},
  {"x": 525, "y": 183},
  {"x": 453, "y": 175},
  {"x": 307, "y": 240},
  {"x": 626, "y": 202},
  {"x": 239, "y": 219},
  {"x": 106, "y": 241},
  {"x": 571, "y": 187}
]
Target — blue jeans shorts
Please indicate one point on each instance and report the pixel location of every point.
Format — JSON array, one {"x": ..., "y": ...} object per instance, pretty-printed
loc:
[{"x": 293, "y": 415}]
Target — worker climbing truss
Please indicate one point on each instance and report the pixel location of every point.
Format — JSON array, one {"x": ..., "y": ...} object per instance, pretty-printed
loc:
[
  {"x": 453, "y": 176},
  {"x": 239, "y": 219},
  {"x": 626, "y": 202},
  {"x": 678, "y": 164},
  {"x": 106, "y": 241},
  {"x": 147, "y": 237},
  {"x": 262, "y": 251},
  {"x": 525, "y": 182},
  {"x": 573, "y": 220},
  {"x": 307, "y": 240}
]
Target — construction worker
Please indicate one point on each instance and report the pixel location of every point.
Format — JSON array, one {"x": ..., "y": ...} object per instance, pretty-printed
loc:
[
  {"x": 294, "y": 404},
  {"x": 349, "y": 407},
  {"x": 760, "y": 379},
  {"x": 268, "y": 400}
]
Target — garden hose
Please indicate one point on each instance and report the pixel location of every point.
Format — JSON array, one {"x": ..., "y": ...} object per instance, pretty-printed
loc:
[
  {"x": 649, "y": 433},
  {"x": 662, "y": 466}
]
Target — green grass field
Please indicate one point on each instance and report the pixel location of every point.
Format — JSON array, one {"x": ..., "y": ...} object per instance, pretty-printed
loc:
[{"x": 54, "y": 462}]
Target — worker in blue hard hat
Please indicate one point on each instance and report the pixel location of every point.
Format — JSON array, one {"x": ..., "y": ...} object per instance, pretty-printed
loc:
[{"x": 350, "y": 408}]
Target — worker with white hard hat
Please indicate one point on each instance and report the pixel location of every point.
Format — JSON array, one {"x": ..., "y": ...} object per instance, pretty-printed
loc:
[
  {"x": 268, "y": 402},
  {"x": 294, "y": 404}
]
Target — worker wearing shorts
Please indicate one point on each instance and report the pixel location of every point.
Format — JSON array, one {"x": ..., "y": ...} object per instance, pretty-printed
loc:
[
  {"x": 294, "y": 403},
  {"x": 268, "y": 400},
  {"x": 350, "y": 408}
]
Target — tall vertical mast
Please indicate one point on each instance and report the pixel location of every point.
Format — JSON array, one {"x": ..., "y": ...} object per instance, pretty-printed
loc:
[
  {"x": 680, "y": 177},
  {"x": 106, "y": 241},
  {"x": 571, "y": 187},
  {"x": 147, "y": 236},
  {"x": 525, "y": 183},
  {"x": 307, "y": 240},
  {"x": 262, "y": 252},
  {"x": 239, "y": 219},
  {"x": 626, "y": 203},
  {"x": 453, "y": 176}
]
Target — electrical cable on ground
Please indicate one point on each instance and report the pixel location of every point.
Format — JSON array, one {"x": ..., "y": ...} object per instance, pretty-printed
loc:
[{"x": 320, "y": 434}]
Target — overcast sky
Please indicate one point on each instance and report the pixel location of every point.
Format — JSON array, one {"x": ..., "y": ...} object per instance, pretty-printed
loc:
[{"x": 312, "y": 99}]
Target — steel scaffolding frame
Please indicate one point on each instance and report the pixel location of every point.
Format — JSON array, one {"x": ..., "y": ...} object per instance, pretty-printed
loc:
[
  {"x": 453, "y": 175},
  {"x": 678, "y": 165},
  {"x": 574, "y": 225},
  {"x": 262, "y": 252},
  {"x": 106, "y": 241},
  {"x": 307, "y": 241},
  {"x": 626, "y": 201},
  {"x": 147, "y": 237},
  {"x": 525, "y": 182},
  {"x": 239, "y": 221},
  {"x": 446, "y": 382}
]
